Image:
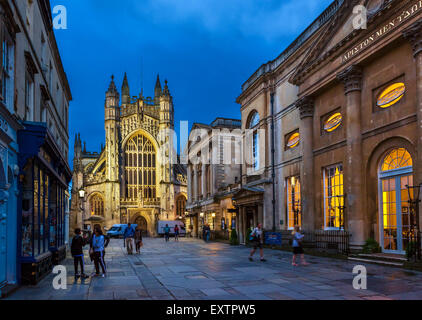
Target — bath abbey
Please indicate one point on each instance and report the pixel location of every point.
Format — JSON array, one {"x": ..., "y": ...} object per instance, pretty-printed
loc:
[{"x": 136, "y": 177}]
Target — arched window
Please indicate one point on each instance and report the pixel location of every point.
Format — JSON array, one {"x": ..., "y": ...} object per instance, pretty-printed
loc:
[
  {"x": 140, "y": 168},
  {"x": 396, "y": 218},
  {"x": 181, "y": 205},
  {"x": 252, "y": 125},
  {"x": 96, "y": 204},
  {"x": 396, "y": 159}
]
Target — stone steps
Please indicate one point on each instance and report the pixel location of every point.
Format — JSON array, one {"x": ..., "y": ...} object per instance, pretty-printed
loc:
[{"x": 380, "y": 259}]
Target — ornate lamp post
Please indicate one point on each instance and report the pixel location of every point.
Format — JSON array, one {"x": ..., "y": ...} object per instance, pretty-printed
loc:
[
  {"x": 414, "y": 200},
  {"x": 81, "y": 193}
]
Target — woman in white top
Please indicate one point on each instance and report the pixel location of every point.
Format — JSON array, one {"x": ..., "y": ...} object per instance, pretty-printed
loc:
[{"x": 257, "y": 239}]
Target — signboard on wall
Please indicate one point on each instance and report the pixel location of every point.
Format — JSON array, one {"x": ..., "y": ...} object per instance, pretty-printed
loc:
[{"x": 272, "y": 238}]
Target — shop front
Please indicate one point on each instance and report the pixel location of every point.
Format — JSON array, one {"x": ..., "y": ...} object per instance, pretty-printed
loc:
[{"x": 44, "y": 179}]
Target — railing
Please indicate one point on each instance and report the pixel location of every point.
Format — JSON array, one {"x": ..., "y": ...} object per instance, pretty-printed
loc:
[
  {"x": 332, "y": 240},
  {"x": 413, "y": 249},
  {"x": 323, "y": 240}
]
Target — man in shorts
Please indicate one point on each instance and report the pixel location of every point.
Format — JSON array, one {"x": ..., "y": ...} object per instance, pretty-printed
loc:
[{"x": 257, "y": 240}]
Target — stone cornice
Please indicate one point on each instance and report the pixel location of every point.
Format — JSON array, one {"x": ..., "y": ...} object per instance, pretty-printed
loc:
[
  {"x": 414, "y": 35},
  {"x": 352, "y": 79}
]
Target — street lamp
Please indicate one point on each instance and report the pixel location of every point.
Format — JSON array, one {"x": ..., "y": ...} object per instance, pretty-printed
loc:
[{"x": 81, "y": 198}]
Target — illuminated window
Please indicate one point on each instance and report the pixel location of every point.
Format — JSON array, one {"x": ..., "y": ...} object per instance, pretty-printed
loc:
[
  {"x": 293, "y": 140},
  {"x": 140, "y": 168},
  {"x": 333, "y": 122},
  {"x": 396, "y": 159},
  {"x": 334, "y": 197},
  {"x": 391, "y": 95},
  {"x": 96, "y": 204},
  {"x": 294, "y": 207}
]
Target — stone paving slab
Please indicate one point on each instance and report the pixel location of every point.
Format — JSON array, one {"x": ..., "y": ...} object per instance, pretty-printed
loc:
[{"x": 191, "y": 270}]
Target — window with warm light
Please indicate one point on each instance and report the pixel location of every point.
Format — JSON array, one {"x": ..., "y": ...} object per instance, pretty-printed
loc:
[
  {"x": 391, "y": 95},
  {"x": 96, "y": 204},
  {"x": 140, "y": 168},
  {"x": 293, "y": 140},
  {"x": 333, "y": 197},
  {"x": 333, "y": 122},
  {"x": 294, "y": 206},
  {"x": 396, "y": 159}
]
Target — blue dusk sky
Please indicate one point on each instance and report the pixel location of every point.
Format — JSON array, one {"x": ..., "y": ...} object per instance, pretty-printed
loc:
[{"x": 206, "y": 49}]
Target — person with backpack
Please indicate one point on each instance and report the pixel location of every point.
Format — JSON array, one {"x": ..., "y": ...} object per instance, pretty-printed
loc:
[
  {"x": 128, "y": 237},
  {"x": 257, "y": 239},
  {"x": 176, "y": 233},
  {"x": 167, "y": 232},
  {"x": 98, "y": 248},
  {"x": 297, "y": 246},
  {"x": 76, "y": 249},
  {"x": 138, "y": 240}
]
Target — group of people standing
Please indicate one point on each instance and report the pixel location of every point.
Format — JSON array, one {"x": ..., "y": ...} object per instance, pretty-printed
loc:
[
  {"x": 167, "y": 233},
  {"x": 97, "y": 244}
]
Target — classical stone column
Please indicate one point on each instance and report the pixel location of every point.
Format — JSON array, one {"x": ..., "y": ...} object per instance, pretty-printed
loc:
[
  {"x": 244, "y": 224},
  {"x": 306, "y": 109},
  {"x": 260, "y": 214},
  {"x": 353, "y": 169},
  {"x": 204, "y": 181},
  {"x": 195, "y": 184},
  {"x": 189, "y": 184},
  {"x": 414, "y": 35}
]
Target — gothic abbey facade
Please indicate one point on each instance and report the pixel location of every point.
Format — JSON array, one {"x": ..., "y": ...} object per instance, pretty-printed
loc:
[{"x": 136, "y": 177}]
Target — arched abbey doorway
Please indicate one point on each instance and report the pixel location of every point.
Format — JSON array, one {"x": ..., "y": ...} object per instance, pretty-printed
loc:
[
  {"x": 142, "y": 224},
  {"x": 395, "y": 174}
]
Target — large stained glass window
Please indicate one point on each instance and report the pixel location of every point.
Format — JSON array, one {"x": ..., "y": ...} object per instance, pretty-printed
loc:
[
  {"x": 334, "y": 197},
  {"x": 140, "y": 168},
  {"x": 294, "y": 207}
]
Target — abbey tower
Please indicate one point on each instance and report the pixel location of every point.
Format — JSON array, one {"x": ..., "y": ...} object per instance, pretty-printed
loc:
[{"x": 136, "y": 177}]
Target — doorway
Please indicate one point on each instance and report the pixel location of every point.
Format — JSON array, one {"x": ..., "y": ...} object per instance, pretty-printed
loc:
[
  {"x": 142, "y": 224},
  {"x": 395, "y": 220}
]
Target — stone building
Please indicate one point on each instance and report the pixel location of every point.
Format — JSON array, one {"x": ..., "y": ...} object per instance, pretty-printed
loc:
[
  {"x": 34, "y": 144},
  {"x": 213, "y": 174},
  {"x": 136, "y": 177},
  {"x": 346, "y": 107}
]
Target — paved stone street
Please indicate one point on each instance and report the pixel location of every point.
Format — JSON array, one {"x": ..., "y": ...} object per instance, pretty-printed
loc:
[{"x": 192, "y": 269}]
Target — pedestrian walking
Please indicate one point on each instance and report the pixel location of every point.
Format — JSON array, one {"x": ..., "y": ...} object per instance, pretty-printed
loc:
[
  {"x": 176, "y": 233},
  {"x": 297, "y": 246},
  {"x": 76, "y": 249},
  {"x": 138, "y": 240},
  {"x": 167, "y": 232},
  {"x": 129, "y": 236},
  {"x": 98, "y": 242},
  {"x": 257, "y": 240}
]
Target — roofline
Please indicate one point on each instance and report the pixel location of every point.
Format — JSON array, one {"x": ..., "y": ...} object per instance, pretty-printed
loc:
[{"x": 295, "y": 45}]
